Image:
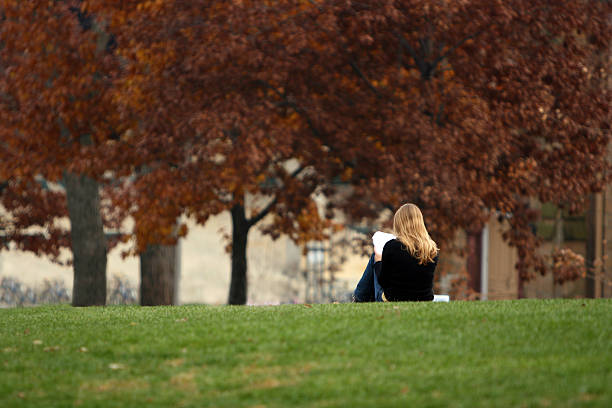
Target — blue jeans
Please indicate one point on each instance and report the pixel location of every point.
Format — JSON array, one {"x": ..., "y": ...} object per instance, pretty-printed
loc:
[{"x": 368, "y": 289}]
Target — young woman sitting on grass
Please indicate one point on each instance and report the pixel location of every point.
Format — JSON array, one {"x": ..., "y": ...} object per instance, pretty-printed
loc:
[{"x": 404, "y": 271}]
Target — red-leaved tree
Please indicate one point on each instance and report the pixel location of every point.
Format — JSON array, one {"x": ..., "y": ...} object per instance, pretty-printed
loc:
[
  {"x": 56, "y": 119},
  {"x": 468, "y": 109}
]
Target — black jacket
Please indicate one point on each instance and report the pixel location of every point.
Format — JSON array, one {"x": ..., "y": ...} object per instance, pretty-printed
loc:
[{"x": 401, "y": 276}]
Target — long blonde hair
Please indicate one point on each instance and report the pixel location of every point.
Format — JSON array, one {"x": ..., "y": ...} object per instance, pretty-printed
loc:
[{"x": 409, "y": 228}]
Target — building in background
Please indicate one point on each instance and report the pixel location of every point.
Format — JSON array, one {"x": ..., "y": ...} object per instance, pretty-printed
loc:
[{"x": 490, "y": 261}]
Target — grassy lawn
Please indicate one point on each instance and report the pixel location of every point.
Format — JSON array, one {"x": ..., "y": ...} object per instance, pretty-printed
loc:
[{"x": 531, "y": 353}]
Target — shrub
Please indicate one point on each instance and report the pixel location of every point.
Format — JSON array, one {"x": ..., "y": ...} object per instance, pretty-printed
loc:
[{"x": 120, "y": 291}]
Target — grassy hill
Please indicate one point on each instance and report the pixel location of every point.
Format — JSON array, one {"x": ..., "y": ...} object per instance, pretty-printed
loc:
[{"x": 528, "y": 353}]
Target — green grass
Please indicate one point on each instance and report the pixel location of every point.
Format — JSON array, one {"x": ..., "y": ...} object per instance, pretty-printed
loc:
[{"x": 531, "y": 353}]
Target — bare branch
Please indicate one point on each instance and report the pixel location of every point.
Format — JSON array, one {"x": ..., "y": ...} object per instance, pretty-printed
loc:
[
  {"x": 255, "y": 219},
  {"x": 420, "y": 63},
  {"x": 363, "y": 77}
]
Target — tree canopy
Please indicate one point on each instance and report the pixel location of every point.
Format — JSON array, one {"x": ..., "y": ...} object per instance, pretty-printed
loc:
[{"x": 467, "y": 108}]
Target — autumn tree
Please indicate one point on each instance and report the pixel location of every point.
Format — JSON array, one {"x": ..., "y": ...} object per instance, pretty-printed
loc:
[
  {"x": 239, "y": 101},
  {"x": 28, "y": 221},
  {"x": 492, "y": 104},
  {"x": 56, "y": 117},
  {"x": 467, "y": 108}
]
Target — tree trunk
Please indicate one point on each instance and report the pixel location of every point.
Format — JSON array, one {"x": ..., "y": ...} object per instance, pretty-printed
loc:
[
  {"x": 240, "y": 231},
  {"x": 594, "y": 223},
  {"x": 474, "y": 259},
  {"x": 158, "y": 275},
  {"x": 87, "y": 239},
  {"x": 558, "y": 240}
]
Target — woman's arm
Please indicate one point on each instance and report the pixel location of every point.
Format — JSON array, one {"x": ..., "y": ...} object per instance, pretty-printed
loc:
[{"x": 386, "y": 258}]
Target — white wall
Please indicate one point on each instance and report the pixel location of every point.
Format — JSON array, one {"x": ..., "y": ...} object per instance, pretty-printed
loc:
[{"x": 275, "y": 267}]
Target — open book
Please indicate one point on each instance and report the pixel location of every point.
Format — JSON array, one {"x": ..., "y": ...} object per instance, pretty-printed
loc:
[
  {"x": 441, "y": 298},
  {"x": 380, "y": 239}
]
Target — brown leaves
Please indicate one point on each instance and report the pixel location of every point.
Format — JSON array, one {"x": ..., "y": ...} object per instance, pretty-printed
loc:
[
  {"x": 465, "y": 108},
  {"x": 567, "y": 265},
  {"x": 55, "y": 112}
]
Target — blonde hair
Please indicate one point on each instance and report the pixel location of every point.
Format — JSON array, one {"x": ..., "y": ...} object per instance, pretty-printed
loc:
[{"x": 409, "y": 228}]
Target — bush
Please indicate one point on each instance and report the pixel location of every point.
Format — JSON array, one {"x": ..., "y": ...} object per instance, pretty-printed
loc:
[{"x": 120, "y": 291}]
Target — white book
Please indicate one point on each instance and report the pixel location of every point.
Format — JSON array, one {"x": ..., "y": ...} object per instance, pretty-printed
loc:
[{"x": 380, "y": 239}]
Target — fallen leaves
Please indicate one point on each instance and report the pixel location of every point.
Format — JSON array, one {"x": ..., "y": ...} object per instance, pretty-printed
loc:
[
  {"x": 115, "y": 385},
  {"x": 267, "y": 384},
  {"x": 184, "y": 381},
  {"x": 177, "y": 362},
  {"x": 116, "y": 366},
  {"x": 587, "y": 397}
]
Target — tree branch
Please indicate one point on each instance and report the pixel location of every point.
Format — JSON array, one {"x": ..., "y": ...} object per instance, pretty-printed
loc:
[
  {"x": 457, "y": 45},
  {"x": 255, "y": 219},
  {"x": 363, "y": 77},
  {"x": 420, "y": 63},
  {"x": 294, "y": 106},
  {"x": 428, "y": 69},
  {"x": 440, "y": 115}
]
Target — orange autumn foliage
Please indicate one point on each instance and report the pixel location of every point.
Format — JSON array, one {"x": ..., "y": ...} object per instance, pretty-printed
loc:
[{"x": 468, "y": 108}]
